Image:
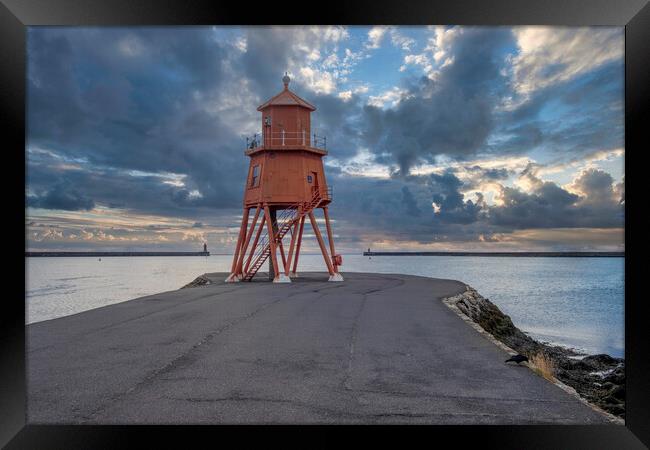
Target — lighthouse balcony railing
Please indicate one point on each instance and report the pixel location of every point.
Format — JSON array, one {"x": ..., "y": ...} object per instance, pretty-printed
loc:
[
  {"x": 323, "y": 194},
  {"x": 285, "y": 139},
  {"x": 328, "y": 193}
]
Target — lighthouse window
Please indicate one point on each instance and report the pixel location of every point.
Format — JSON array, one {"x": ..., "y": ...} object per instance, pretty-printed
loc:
[
  {"x": 255, "y": 176},
  {"x": 309, "y": 179}
]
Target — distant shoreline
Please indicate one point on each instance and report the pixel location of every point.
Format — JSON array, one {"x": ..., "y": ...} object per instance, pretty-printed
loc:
[
  {"x": 519, "y": 254},
  {"x": 108, "y": 254},
  {"x": 487, "y": 254}
]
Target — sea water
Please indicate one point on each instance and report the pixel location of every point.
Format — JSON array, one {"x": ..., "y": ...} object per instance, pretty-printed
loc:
[{"x": 576, "y": 302}]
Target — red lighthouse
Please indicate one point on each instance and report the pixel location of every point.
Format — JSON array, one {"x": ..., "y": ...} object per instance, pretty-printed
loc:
[{"x": 286, "y": 184}]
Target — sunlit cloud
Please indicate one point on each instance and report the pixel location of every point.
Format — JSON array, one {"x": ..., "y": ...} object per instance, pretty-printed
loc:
[{"x": 552, "y": 55}]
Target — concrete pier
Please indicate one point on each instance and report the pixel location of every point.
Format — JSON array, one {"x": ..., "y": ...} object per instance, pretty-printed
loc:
[
  {"x": 374, "y": 349},
  {"x": 109, "y": 254}
]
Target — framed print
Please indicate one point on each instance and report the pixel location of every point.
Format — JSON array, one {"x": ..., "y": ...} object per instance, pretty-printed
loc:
[{"x": 353, "y": 214}]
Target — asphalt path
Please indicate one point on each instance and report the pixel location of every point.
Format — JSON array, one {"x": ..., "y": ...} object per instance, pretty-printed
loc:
[{"x": 376, "y": 348}]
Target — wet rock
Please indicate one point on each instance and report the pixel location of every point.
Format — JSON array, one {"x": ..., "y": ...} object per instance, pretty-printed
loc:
[
  {"x": 617, "y": 410},
  {"x": 619, "y": 393},
  {"x": 617, "y": 376},
  {"x": 601, "y": 360}
]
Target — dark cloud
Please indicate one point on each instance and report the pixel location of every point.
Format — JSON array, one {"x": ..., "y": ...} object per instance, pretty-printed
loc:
[
  {"x": 137, "y": 100},
  {"x": 550, "y": 206},
  {"x": 596, "y": 185},
  {"x": 61, "y": 196},
  {"x": 445, "y": 190},
  {"x": 450, "y": 116},
  {"x": 142, "y": 100},
  {"x": 402, "y": 207},
  {"x": 266, "y": 56},
  {"x": 410, "y": 205},
  {"x": 586, "y": 111}
]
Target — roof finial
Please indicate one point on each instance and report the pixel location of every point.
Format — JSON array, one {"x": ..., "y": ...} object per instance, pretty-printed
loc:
[{"x": 285, "y": 80}]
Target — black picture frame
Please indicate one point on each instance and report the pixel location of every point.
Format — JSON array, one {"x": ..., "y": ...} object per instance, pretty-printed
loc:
[{"x": 634, "y": 15}]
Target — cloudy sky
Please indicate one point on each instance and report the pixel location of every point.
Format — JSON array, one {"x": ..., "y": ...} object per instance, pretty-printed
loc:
[{"x": 439, "y": 138}]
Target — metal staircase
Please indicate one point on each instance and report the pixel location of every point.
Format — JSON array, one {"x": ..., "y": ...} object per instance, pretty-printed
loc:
[{"x": 285, "y": 221}]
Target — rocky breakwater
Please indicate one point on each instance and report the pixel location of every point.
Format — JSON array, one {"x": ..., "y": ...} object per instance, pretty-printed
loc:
[
  {"x": 201, "y": 280},
  {"x": 599, "y": 379}
]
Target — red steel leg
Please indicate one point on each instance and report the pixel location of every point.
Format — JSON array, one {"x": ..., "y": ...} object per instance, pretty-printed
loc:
[
  {"x": 242, "y": 254},
  {"x": 240, "y": 239},
  {"x": 330, "y": 238},
  {"x": 284, "y": 258},
  {"x": 252, "y": 252},
  {"x": 292, "y": 246},
  {"x": 269, "y": 226},
  {"x": 298, "y": 243},
  {"x": 323, "y": 249}
]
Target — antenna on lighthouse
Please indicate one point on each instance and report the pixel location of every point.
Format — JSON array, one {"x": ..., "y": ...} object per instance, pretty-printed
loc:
[{"x": 286, "y": 80}]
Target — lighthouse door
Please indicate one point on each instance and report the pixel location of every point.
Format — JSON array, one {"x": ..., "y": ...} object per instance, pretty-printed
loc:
[{"x": 312, "y": 178}]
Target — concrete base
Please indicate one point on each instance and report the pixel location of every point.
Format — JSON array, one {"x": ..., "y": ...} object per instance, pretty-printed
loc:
[
  {"x": 379, "y": 348},
  {"x": 336, "y": 277},
  {"x": 282, "y": 278},
  {"x": 233, "y": 278}
]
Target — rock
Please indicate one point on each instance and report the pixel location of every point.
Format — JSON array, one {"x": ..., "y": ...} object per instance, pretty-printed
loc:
[
  {"x": 579, "y": 365},
  {"x": 597, "y": 378},
  {"x": 201, "y": 280},
  {"x": 617, "y": 410},
  {"x": 601, "y": 360},
  {"x": 619, "y": 393},
  {"x": 616, "y": 377}
]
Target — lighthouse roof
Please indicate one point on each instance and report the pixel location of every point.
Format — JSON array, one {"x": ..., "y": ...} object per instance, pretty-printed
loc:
[{"x": 287, "y": 98}]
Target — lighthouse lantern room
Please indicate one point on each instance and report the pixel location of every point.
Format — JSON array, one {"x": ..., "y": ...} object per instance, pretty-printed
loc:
[{"x": 285, "y": 186}]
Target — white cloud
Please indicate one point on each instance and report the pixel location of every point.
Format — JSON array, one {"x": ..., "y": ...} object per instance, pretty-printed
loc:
[
  {"x": 375, "y": 36},
  {"x": 330, "y": 61},
  {"x": 362, "y": 164},
  {"x": 549, "y": 55},
  {"x": 401, "y": 41},
  {"x": 347, "y": 95},
  {"x": 420, "y": 60},
  {"x": 584, "y": 162},
  {"x": 333, "y": 33},
  {"x": 314, "y": 57},
  {"x": 319, "y": 81},
  {"x": 193, "y": 236},
  {"x": 390, "y": 97},
  {"x": 441, "y": 42},
  {"x": 48, "y": 234},
  {"x": 310, "y": 53},
  {"x": 194, "y": 194},
  {"x": 241, "y": 44},
  {"x": 436, "y": 54}
]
